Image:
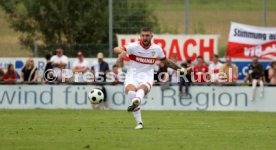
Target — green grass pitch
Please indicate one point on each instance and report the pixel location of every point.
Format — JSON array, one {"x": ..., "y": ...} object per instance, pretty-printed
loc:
[{"x": 86, "y": 129}]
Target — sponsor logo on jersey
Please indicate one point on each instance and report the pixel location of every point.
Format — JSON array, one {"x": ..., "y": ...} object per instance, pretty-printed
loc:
[{"x": 143, "y": 60}]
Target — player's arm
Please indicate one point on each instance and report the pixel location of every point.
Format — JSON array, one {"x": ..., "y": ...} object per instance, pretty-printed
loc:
[
  {"x": 122, "y": 53},
  {"x": 171, "y": 64},
  {"x": 119, "y": 50},
  {"x": 174, "y": 66}
]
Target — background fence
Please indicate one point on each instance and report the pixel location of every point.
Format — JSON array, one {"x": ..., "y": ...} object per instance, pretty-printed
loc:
[
  {"x": 165, "y": 16},
  {"x": 209, "y": 16}
]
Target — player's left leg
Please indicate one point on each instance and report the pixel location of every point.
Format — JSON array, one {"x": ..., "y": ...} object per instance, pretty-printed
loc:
[{"x": 142, "y": 90}]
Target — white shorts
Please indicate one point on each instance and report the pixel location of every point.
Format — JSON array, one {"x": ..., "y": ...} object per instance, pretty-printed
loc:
[{"x": 143, "y": 78}]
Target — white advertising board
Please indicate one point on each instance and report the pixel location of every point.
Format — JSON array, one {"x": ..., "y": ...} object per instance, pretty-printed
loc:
[{"x": 210, "y": 98}]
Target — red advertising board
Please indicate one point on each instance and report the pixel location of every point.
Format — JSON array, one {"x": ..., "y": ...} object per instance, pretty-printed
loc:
[{"x": 183, "y": 46}]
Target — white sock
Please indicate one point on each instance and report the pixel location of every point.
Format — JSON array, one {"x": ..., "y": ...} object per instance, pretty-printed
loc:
[
  {"x": 130, "y": 95},
  {"x": 137, "y": 115},
  {"x": 137, "y": 112},
  {"x": 254, "y": 86},
  {"x": 140, "y": 94}
]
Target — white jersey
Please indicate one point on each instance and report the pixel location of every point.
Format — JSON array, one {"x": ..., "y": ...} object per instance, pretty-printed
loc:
[
  {"x": 142, "y": 60},
  {"x": 214, "y": 70},
  {"x": 55, "y": 59},
  {"x": 78, "y": 65}
]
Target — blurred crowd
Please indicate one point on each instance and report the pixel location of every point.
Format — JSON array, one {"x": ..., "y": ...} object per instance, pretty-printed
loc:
[
  {"x": 217, "y": 72},
  {"x": 202, "y": 72}
]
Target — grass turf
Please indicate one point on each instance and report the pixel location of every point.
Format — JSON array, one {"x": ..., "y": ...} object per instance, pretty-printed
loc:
[{"x": 86, "y": 129}]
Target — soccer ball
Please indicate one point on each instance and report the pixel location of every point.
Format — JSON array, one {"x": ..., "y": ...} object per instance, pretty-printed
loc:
[{"x": 95, "y": 96}]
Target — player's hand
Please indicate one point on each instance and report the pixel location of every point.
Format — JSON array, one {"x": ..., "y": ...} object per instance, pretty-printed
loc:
[{"x": 122, "y": 57}]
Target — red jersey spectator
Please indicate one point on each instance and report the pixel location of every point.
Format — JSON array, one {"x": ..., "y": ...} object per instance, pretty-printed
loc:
[
  {"x": 200, "y": 71},
  {"x": 11, "y": 75}
]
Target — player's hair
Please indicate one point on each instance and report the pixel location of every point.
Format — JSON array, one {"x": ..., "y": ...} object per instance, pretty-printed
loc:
[{"x": 145, "y": 29}]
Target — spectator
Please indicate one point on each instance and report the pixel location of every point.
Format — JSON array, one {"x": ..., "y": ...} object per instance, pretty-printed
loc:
[
  {"x": 162, "y": 75},
  {"x": 230, "y": 71},
  {"x": 255, "y": 76},
  {"x": 29, "y": 73},
  {"x": 114, "y": 75},
  {"x": 100, "y": 68},
  {"x": 11, "y": 75},
  {"x": 121, "y": 67},
  {"x": 80, "y": 67},
  {"x": 1, "y": 75},
  {"x": 47, "y": 76},
  {"x": 266, "y": 74},
  {"x": 200, "y": 71},
  {"x": 272, "y": 73},
  {"x": 185, "y": 81},
  {"x": 172, "y": 72},
  {"x": 162, "y": 72},
  {"x": 214, "y": 69},
  {"x": 59, "y": 62}
]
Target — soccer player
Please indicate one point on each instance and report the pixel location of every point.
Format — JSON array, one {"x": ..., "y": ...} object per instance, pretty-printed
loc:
[{"x": 140, "y": 74}]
